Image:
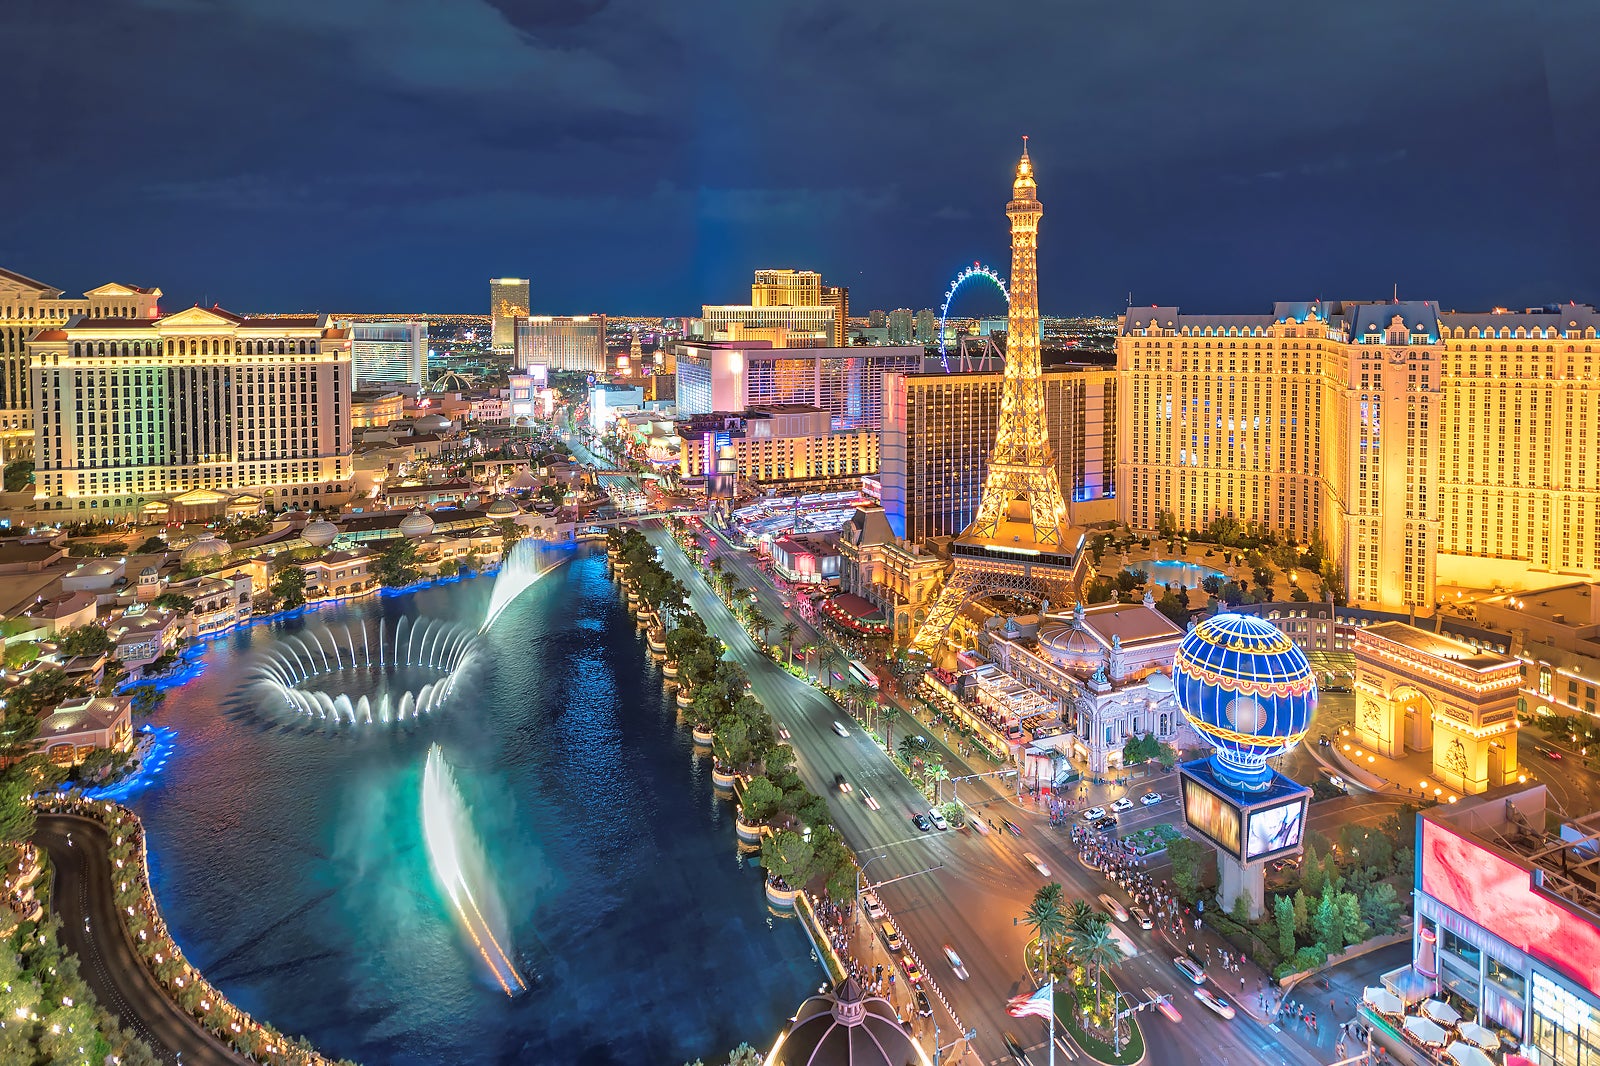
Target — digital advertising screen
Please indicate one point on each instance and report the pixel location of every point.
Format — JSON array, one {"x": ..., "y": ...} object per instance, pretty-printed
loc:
[
  {"x": 1212, "y": 815},
  {"x": 1275, "y": 829},
  {"x": 1499, "y": 895}
]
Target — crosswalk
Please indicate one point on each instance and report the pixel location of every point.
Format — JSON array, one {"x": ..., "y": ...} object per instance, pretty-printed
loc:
[{"x": 1065, "y": 1052}]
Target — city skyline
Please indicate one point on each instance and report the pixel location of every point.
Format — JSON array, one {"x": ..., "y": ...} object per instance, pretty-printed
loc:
[
  {"x": 1259, "y": 159},
  {"x": 1212, "y": 600}
]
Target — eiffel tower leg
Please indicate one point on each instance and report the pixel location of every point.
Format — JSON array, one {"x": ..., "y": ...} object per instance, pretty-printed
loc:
[{"x": 937, "y": 624}]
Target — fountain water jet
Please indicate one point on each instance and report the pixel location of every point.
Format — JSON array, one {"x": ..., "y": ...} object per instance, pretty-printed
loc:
[
  {"x": 524, "y": 565},
  {"x": 462, "y": 872},
  {"x": 283, "y": 672}
]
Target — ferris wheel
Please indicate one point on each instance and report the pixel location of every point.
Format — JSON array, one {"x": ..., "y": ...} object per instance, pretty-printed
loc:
[{"x": 971, "y": 273}]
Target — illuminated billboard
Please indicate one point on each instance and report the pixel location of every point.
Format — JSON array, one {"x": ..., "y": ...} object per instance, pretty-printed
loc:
[
  {"x": 1275, "y": 829},
  {"x": 1499, "y": 896},
  {"x": 1212, "y": 815}
]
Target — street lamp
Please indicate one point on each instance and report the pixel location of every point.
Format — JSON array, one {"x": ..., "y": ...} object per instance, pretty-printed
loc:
[{"x": 861, "y": 869}]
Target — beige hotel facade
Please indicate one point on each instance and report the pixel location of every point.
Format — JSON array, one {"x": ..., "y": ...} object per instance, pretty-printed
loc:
[
  {"x": 1424, "y": 448},
  {"x": 132, "y": 415},
  {"x": 26, "y": 307}
]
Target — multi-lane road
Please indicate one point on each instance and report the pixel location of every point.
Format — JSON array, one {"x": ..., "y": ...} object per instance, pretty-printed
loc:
[
  {"x": 959, "y": 887},
  {"x": 91, "y": 929}
]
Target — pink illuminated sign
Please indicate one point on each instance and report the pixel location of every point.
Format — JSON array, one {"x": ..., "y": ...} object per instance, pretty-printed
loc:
[{"x": 1499, "y": 896}]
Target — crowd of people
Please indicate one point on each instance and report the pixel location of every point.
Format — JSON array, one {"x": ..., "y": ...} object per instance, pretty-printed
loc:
[{"x": 875, "y": 979}]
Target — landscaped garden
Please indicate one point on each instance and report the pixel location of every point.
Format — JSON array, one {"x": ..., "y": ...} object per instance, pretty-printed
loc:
[
  {"x": 800, "y": 846},
  {"x": 1151, "y": 839},
  {"x": 1075, "y": 943},
  {"x": 1343, "y": 892}
]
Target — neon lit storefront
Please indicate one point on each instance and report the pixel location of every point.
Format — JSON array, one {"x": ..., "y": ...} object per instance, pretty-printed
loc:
[{"x": 1508, "y": 922}]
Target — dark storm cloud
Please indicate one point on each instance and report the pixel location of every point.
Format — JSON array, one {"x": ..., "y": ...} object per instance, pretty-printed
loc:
[{"x": 636, "y": 156}]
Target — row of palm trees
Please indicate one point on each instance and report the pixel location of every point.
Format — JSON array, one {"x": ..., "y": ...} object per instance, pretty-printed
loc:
[
  {"x": 738, "y": 599},
  {"x": 1075, "y": 934},
  {"x": 857, "y": 697}
]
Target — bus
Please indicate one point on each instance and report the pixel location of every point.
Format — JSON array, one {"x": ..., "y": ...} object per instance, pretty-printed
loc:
[{"x": 859, "y": 672}]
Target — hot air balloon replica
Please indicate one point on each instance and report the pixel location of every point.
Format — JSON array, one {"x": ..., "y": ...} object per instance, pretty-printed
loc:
[{"x": 1250, "y": 692}]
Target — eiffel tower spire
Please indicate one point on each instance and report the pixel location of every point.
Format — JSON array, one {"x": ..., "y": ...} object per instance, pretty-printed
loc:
[
  {"x": 1022, "y": 504},
  {"x": 1020, "y": 542}
]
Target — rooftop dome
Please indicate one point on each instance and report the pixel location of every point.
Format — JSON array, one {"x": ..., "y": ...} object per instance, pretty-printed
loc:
[
  {"x": 846, "y": 1028},
  {"x": 207, "y": 547},
  {"x": 320, "y": 534},
  {"x": 503, "y": 508},
  {"x": 416, "y": 524},
  {"x": 1248, "y": 690},
  {"x": 1073, "y": 644},
  {"x": 150, "y": 572},
  {"x": 451, "y": 381},
  {"x": 431, "y": 423}
]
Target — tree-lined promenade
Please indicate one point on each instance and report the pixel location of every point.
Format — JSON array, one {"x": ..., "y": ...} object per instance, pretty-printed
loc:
[{"x": 800, "y": 845}]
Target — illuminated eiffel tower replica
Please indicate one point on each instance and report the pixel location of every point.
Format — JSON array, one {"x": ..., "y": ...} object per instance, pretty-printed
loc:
[{"x": 1020, "y": 543}]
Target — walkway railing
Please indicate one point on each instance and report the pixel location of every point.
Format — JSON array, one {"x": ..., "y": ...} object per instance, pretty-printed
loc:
[{"x": 183, "y": 984}]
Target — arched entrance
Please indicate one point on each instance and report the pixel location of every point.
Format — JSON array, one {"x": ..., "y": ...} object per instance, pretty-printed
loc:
[
  {"x": 1415, "y": 714},
  {"x": 1424, "y": 692}
]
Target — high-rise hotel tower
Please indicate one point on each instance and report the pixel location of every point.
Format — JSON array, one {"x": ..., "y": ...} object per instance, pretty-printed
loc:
[
  {"x": 1423, "y": 448},
  {"x": 508, "y": 301},
  {"x": 132, "y": 415},
  {"x": 26, "y": 307}
]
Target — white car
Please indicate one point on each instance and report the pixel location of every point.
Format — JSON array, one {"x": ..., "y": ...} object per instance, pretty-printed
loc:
[
  {"x": 1123, "y": 804},
  {"x": 955, "y": 962},
  {"x": 1218, "y": 1005},
  {"x": 1037, "y": 863},
  {"x": 869, "y": 800},
  {"x": 1113, "y": 908},
  {"x": 1142, "y": 916},
  {"x": 1150, "y": 798},
  {"x": 938, "y": 819},
  {"x": 1190, "y": 969},
  {"x": 1094, "y": 814},
  {"x": 838, "y": 727},
  {"x": 872, "y": 905},
  {"x": 783, "y": 731}
]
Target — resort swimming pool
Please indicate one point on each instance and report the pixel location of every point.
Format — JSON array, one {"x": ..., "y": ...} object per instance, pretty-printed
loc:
[{"x": 1177, "y": 572}]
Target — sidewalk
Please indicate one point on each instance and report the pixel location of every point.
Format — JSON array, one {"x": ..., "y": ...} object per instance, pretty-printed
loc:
[{"x": 855, "y": 939}]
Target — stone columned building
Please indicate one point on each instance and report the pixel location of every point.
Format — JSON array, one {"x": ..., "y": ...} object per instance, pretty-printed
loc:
[{"x": 1109, "y": 668}]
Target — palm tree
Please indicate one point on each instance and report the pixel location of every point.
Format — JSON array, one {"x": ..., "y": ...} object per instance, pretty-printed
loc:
[
  {"x": 1083, "y": 917},
  {"x": 936, "y": 774},
  {"x": 1045, "y": 918},
  {"x": 910, "y": 749},
  {"x": 786, "y": 633},
  {"x": 1097, "y": 949},
  {"x": 760, "y": 623},
  {"x": 890, "y": 714}
]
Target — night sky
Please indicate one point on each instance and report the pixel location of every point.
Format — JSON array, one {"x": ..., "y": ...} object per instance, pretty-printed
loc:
[{"x": 642, "y": 157}]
